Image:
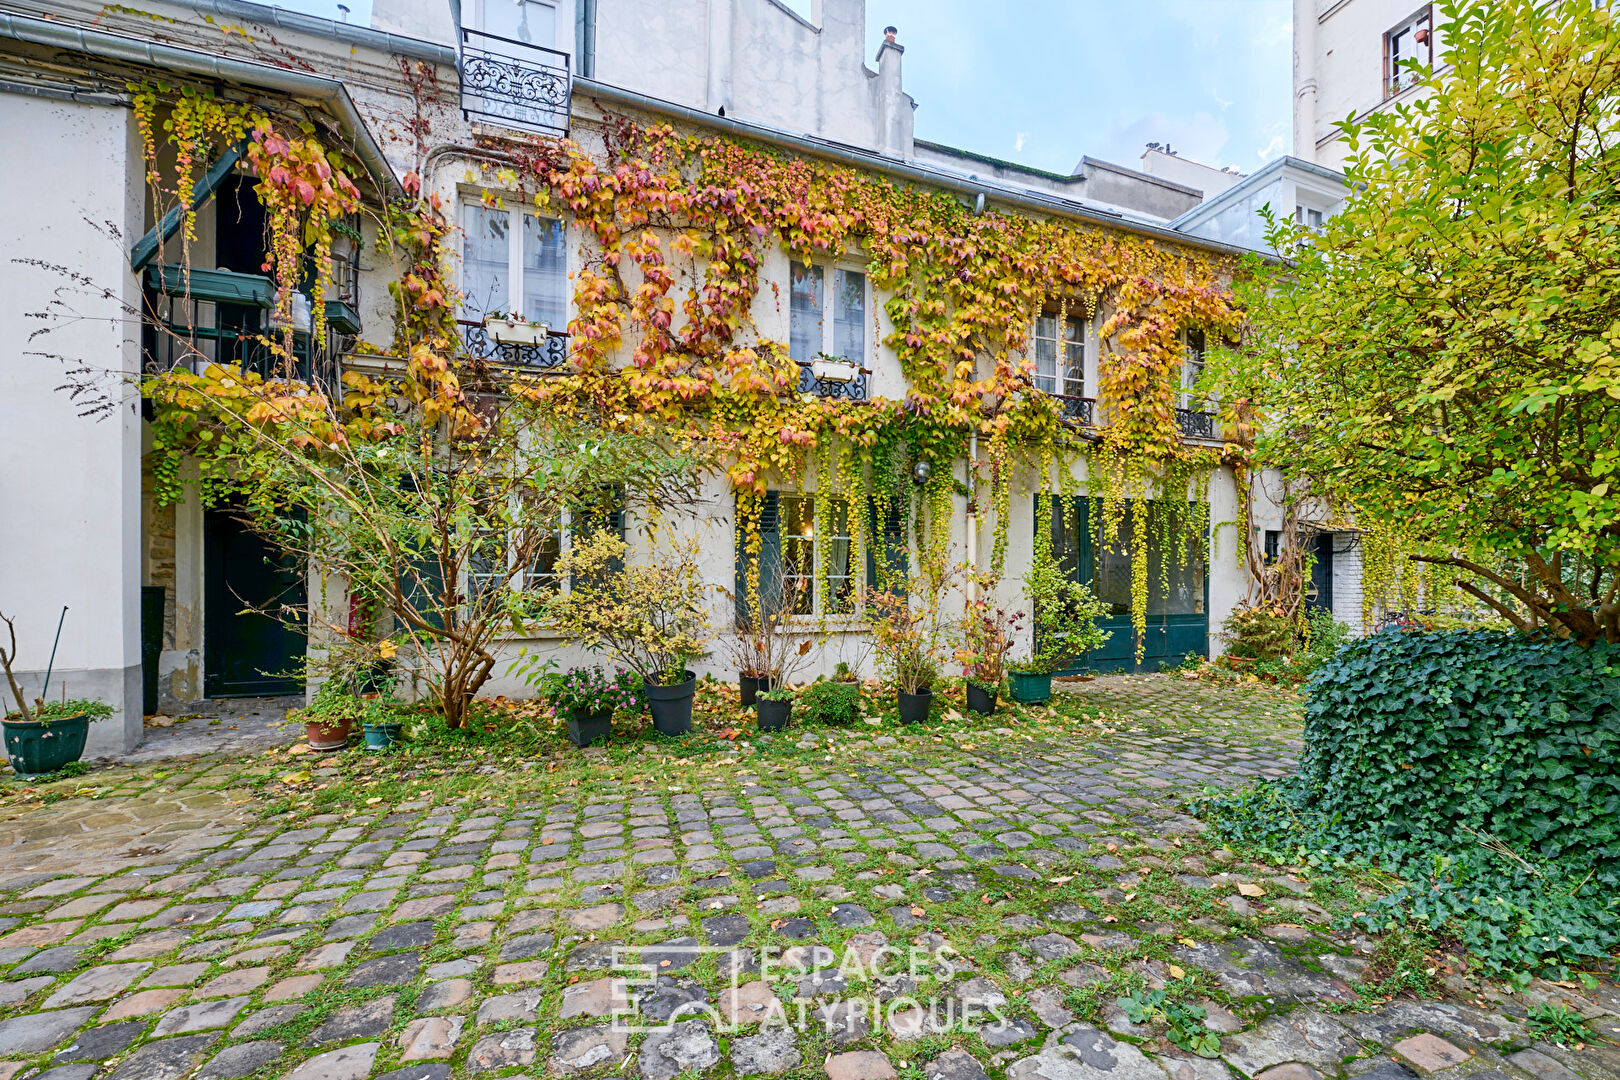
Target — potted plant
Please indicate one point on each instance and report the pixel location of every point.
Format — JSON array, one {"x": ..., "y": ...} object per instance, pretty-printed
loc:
[
  {"x": 514, "y": 329},
  {"x": 829, "y": 368},
  {"x": 382, "y": 719},
  {"x": 765, "y": 652},
  {"x": 651, "y": 617},
  {"x": 1064, "y": 627},
  {"x": 843, "y": 674},
  {"x": 988, "y": 633},
  {"x": 41, "y": 737},
  {"x": 775, "y": 709},
  {"x": 909, "y": 636},
  {"x": 587, "y": 698},
  {"x": 330, "y": 716},
  {"x": 831, "y": 702}
]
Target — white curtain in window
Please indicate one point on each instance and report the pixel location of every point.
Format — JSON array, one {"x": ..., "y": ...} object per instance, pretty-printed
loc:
[
  {"x": 485, "y": 254},
  {"x": 849, "y": 316},
  {"x": 532, "y": 22},
  {"x": 804, "y": 313}
]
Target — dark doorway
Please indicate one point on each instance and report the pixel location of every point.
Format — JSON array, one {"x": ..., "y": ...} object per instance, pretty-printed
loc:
[
  {"x": 1321, "y": 594},
  {"x": 246, "y": 651}
]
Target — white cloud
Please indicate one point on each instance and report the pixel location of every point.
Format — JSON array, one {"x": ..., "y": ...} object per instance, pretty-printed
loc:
[
  {"x": 1018, "y": 143},
  {"x": 1277, "y": 145}
]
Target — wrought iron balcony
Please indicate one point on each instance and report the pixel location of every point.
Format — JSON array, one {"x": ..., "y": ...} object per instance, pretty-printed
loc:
[
  {"x": 480, "y": 345},
  {"x": 1081, "y": 410},
  {"x": 853, "y": 390},
  {"x": 514, "y": 83},
  {"x": 1197, "y": 424}
]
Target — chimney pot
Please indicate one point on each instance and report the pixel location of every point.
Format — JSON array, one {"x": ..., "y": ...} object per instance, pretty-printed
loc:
[{"x": 888, "y": 33}]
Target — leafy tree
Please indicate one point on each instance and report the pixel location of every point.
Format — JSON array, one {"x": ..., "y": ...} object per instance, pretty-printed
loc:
[{"x": 1443, "y": 360}]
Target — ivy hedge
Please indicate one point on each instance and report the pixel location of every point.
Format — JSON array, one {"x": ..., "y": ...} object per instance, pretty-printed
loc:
[{"x": 1480, "y": 767}]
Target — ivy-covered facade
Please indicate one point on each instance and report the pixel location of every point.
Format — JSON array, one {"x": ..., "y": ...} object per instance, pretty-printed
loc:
[{"x": 904, "y": 364}]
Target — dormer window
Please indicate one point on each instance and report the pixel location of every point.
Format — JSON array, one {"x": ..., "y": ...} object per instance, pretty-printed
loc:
[{"x": 533, "y": 22}]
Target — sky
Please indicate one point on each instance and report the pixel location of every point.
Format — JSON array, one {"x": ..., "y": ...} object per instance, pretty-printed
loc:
[{"x": 1044, "y": 82}]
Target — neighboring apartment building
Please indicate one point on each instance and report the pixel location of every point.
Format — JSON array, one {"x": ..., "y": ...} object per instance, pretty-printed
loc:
[
  {"x": 1351, "y": 58},
  {"x": 413, "y": 93}
]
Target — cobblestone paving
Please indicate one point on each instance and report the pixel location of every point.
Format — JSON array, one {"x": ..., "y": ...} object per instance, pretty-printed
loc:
[{"x": 949, "y": 908}]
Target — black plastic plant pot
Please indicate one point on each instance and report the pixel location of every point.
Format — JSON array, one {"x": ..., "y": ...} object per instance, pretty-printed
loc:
[
  {"x": 585, "y": 728},
  {"x": 1030, "y": 688},
  {"x": 37, "y": 749},
  {"x": 914, "y": 707},
  {"x": 774, "y": 715},
  {"x": 980, "y": 700},
  {"x": 749, "y": 687},
  {"x": 672, "y": 705}
]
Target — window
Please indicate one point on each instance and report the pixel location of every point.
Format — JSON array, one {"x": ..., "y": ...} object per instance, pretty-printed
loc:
[
  {"x": 1411, "y": 43},
  {"x": 1273, "y": 545},
  {"x": 533, "y": 22},
  {"x": 1308, "y": 217},
  {"x": 491, "y": 247},
  {"x": 1060, "y": 365},
  {"x": 1175, "y": 564},
  {"x": 1192, "y": 369},
  {"x": 806, "y": 564},
  {"x": 810, "y": 331}
]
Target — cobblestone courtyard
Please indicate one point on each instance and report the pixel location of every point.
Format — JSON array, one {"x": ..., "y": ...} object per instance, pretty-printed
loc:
[{"x": 937, "y": 904}]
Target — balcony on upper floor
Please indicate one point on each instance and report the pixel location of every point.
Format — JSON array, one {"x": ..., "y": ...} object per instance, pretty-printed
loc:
[
  {"x": 514, "y": 344},
  {"x": 1197, "y": 424},
  {"x": 515, "y": 84},
  {"x": 831, "y": 377}
]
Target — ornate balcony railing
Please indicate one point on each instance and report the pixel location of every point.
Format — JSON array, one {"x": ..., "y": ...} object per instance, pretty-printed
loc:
[
  {"x": 1081, "y": 410},
  {"x": 1196, "y": 424},
  {"x": 480, "y": 345},
  {"x": 518, "y": 84},
  {"x": 854, "y": 390}
]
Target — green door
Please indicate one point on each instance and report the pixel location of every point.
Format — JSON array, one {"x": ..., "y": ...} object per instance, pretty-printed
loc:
[
  {"x": 1178, "y": 586},
  {"x": 253, "y": 613}
]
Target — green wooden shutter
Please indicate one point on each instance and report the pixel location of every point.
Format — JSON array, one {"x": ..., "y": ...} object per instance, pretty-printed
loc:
[
  {"x": 770, "y": 550},
  {"x": 887, "y": 533}
]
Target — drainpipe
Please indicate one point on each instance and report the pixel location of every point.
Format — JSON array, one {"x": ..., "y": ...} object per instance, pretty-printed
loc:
[
  {"x": 973, "y": 516},
  {"x": 1305, "y": 79},
  {"x": 585, "y": 39}
]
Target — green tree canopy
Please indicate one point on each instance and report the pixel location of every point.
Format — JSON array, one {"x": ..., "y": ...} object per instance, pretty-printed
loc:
[{"x": 1443, "y": 359}]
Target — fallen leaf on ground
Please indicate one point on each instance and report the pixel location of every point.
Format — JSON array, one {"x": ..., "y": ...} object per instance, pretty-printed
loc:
[{"x": 1246, "y": 889}]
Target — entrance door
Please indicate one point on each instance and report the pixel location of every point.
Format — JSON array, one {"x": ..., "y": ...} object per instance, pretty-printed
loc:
[
  {"x": 1178, "y": 586},
  {"x": 1321, "y": 594},
  {"x": 248, "y": 593}
]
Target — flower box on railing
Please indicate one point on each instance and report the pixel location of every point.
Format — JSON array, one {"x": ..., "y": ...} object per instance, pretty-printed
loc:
[
  {"x": 834, "y": 370},
  {"x": 515, "y": 331}
]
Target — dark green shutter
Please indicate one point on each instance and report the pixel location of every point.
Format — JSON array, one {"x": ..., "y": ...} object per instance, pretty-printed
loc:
[
  {"x": 886, "y": 534},
  {"x": 770, "y": 550}
]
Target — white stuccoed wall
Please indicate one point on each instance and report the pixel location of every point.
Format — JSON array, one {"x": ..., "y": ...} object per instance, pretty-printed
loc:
[{"x": 70, "y": 532}]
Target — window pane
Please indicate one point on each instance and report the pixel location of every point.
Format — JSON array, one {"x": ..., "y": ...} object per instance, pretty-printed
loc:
[
  {"x": 1175, "y": 565},
  {"x": 798, "y": 525},
  {"x": 529, "y": 21},
  {"x": 545, "y": 272},
  {"x": 541, "y": 575},
  {"x": 1074, "y": 357},
  {"x": 849, "y": 316},
  {"x": 1111, "y": 570},
  {"x": 840, "y": 581},
  {"x": 485, "y": 252},
  {"x": 1045, "y": 342},
  {"x": 1192, "y": 369},
  {"x": 804, "y": 313}
]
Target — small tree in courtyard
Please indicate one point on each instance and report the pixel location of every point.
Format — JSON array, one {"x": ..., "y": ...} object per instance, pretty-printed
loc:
[{"x": 1443, "y": 360}]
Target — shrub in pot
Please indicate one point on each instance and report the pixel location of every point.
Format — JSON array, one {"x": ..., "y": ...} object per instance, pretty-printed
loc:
[
  {"x": 764, "y": 647},
  {"x": 330, "y": 716},
  {"x": 586, "y": 699},
  {"x": 42, "y": 737},
  {"x": 383, "y": 721},
  {"x": 650, "y": 616},
  {"x": 775, "y": 709},
  {"x": 909, "y": 635},
  {"x": 988, "y": 633},
  {"x": 1064, "y": 626}
]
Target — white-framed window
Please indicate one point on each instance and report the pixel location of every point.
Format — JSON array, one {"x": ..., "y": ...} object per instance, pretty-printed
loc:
[
  {"x": 807, "y": 565},
  {"x": 537, "y": 290},
  {"x": 1410, "y": 42},
  {"x": 1194, "y": 350},
  {"x": 1308, "y": 216},
  {"x": 533, "y": 22},
  {"x": 1060, "y": 360},
  {"x": 813, "y": 329}
]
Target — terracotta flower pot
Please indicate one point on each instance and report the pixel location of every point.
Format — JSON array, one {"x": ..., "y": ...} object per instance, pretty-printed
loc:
[{"x": 327, "y": 736}]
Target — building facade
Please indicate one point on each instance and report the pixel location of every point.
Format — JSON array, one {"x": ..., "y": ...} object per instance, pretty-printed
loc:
[
  {"x": 1353, "y": 58},
  {"x": 413, "y": 96}
]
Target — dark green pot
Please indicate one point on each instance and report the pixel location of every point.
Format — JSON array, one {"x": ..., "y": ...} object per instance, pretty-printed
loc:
[
  {"x": 37, "y": 749},
  {"x": 382, "y": 736},
  {"x": 672, "y": 705},
  {"x": 1029, "y": 688},
  {"x": 585, "y": 728}
]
